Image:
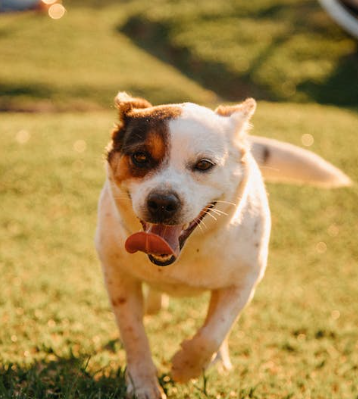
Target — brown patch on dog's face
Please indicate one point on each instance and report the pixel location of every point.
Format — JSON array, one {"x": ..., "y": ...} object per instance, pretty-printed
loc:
[
  {"x": 140, "y": 142},
  {"x": 142, "y": 152}
]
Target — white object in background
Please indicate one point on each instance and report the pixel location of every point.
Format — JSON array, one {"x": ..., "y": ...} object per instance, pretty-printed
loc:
[{"x": 341, "y": 15}]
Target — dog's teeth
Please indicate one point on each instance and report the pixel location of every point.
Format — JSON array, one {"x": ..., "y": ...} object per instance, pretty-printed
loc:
[
  {"x": 162, "y": 258},
  {"x": 186, "y": 226}
]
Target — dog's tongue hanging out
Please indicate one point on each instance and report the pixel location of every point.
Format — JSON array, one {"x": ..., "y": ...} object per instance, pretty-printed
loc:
[{"x": 156, "y": 239}]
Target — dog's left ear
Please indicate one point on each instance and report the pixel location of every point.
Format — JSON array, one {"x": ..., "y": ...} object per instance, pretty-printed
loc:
[{"x": 239, "y": 114}]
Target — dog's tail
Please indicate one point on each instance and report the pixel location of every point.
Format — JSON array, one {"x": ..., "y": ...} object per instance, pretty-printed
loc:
[{"x": 283, "y": 162}]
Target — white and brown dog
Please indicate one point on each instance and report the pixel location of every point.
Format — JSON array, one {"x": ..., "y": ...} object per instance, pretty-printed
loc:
[{"x": 184, "y": 210}]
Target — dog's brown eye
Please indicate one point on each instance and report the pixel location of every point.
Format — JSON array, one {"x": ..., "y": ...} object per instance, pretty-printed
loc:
[
  {"x": 140, "y": 159},
  {"x": 204, "y": 165}
]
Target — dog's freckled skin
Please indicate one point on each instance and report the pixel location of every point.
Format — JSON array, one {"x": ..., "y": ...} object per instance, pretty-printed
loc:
[
  {"x": 119, "y": 301},
  {"x": 228, "y": 257}
]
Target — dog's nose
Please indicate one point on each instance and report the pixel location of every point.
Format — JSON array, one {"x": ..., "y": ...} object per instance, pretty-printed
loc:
[{"x": 162, "y": 207}]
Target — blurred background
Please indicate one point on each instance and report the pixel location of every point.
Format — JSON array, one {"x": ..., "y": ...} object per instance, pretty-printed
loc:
[
  {"x": 75, "y": 55},
  {"x": 61, "y": 64}
]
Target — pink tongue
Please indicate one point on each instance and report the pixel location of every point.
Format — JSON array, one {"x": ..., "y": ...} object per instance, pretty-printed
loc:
[{"x": 157, "y": 240}]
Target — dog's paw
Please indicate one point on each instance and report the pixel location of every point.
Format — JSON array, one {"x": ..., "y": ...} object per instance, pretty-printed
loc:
[
  {"x": 147, "y": 390},
  {"x": 192, "y": 359},
  {"x": 143, "y": 384}
]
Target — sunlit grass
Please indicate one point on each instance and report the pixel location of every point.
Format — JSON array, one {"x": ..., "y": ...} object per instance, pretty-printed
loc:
[
  {"x": 275, "y": 50},
  {"x": 79, "y": 61},
  {"x": 58, "y": 339},
  {"x": 173, "y": 52}
]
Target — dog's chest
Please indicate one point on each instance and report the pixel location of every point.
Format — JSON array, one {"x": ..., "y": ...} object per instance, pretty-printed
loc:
[
  {"x": 226, "y": 257},
  {"x": 212, "y": 264}
]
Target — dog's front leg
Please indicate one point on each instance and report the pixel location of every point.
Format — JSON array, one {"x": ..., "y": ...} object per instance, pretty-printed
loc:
[
  {"x": 195, "y": 354},
  {"x": 125, "y": 294}
]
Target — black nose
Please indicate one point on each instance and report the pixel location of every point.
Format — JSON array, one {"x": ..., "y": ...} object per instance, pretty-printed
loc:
[{"x": 162, "y": 207}]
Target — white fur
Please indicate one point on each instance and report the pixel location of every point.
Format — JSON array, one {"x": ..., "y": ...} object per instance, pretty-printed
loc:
[
  {"x": 289, "y": 163},
  {"x": 226, "y": 256}
]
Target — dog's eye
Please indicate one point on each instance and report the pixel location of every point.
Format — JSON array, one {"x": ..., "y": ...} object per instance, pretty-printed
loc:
[
  {"x": 141, "y": 159},
  {"x": 204, "y": 165}
]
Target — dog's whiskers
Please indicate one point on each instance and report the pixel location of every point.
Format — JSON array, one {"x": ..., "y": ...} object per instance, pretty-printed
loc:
[
  {"x": 219, "y": 212},
  {"x": 269, "y": 168},
  {"x": 227, "y": 202},
  {"x": 201, "y": 223},
  {"x": 208, "y": 212}
]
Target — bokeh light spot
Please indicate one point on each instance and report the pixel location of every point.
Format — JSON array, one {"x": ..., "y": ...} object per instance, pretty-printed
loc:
[
  {"x": 321, "y": 247},
  {"x": 56, "y": 11},
  {"x": 307, "y": 140},
  {"x": 23, "y": 136},
  {"x": 80, "y": 146}
]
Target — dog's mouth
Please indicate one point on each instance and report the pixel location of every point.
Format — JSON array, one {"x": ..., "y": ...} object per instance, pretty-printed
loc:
[{"x": 163, "y": 243}]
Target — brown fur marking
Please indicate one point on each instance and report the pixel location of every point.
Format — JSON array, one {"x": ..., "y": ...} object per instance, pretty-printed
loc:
[
  {"x": 224, "y": 110},
  {"x": 247, "y": 108},
  {"x": 140, "y": 130}
]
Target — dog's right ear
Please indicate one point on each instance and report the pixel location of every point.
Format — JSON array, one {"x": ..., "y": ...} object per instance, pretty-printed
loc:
[{"x": 125, "y": 104}]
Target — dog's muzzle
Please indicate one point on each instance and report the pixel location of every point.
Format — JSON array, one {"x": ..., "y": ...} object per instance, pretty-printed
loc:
[{"x": 163, "y": 243}]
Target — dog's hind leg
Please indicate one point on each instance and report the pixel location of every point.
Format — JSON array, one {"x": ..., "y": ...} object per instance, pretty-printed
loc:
[
  {"x": 155, "y": 301},
  {"x": 196, "y": 353}
]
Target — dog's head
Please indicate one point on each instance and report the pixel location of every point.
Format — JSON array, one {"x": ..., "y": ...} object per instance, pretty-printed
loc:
[{"x": 175, "y": 163}]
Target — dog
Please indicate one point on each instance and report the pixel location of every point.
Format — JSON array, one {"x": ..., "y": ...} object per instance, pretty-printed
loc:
[{"x": 184, "y": 209}]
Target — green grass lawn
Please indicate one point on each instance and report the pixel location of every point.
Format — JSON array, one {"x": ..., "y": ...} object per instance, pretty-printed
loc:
[
  {"x": 275, "y": 50},
  {"x": 270, "y": 49},
  {"x": 78, "y": 63},
  {"x": 58, "y": 339}
]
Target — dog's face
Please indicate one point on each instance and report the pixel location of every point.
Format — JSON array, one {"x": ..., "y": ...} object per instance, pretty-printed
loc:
[{"x": 175, "y": 162}]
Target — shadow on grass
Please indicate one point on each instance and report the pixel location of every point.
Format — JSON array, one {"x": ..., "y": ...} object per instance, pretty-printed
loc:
[
  {"x": 32, "y": 97},
  {"x": 339, "y": 88},
  {"x": 14, "y": 89},
  {"x": 215, "y": 76},
  {"x": 64, "y": 378}
]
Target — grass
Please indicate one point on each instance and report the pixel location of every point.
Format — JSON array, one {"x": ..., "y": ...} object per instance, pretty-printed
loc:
[
  {"x": 78, "y": 63},
  {"x": 274, "y": 50},
  {"x": 58, "y": 337}
]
